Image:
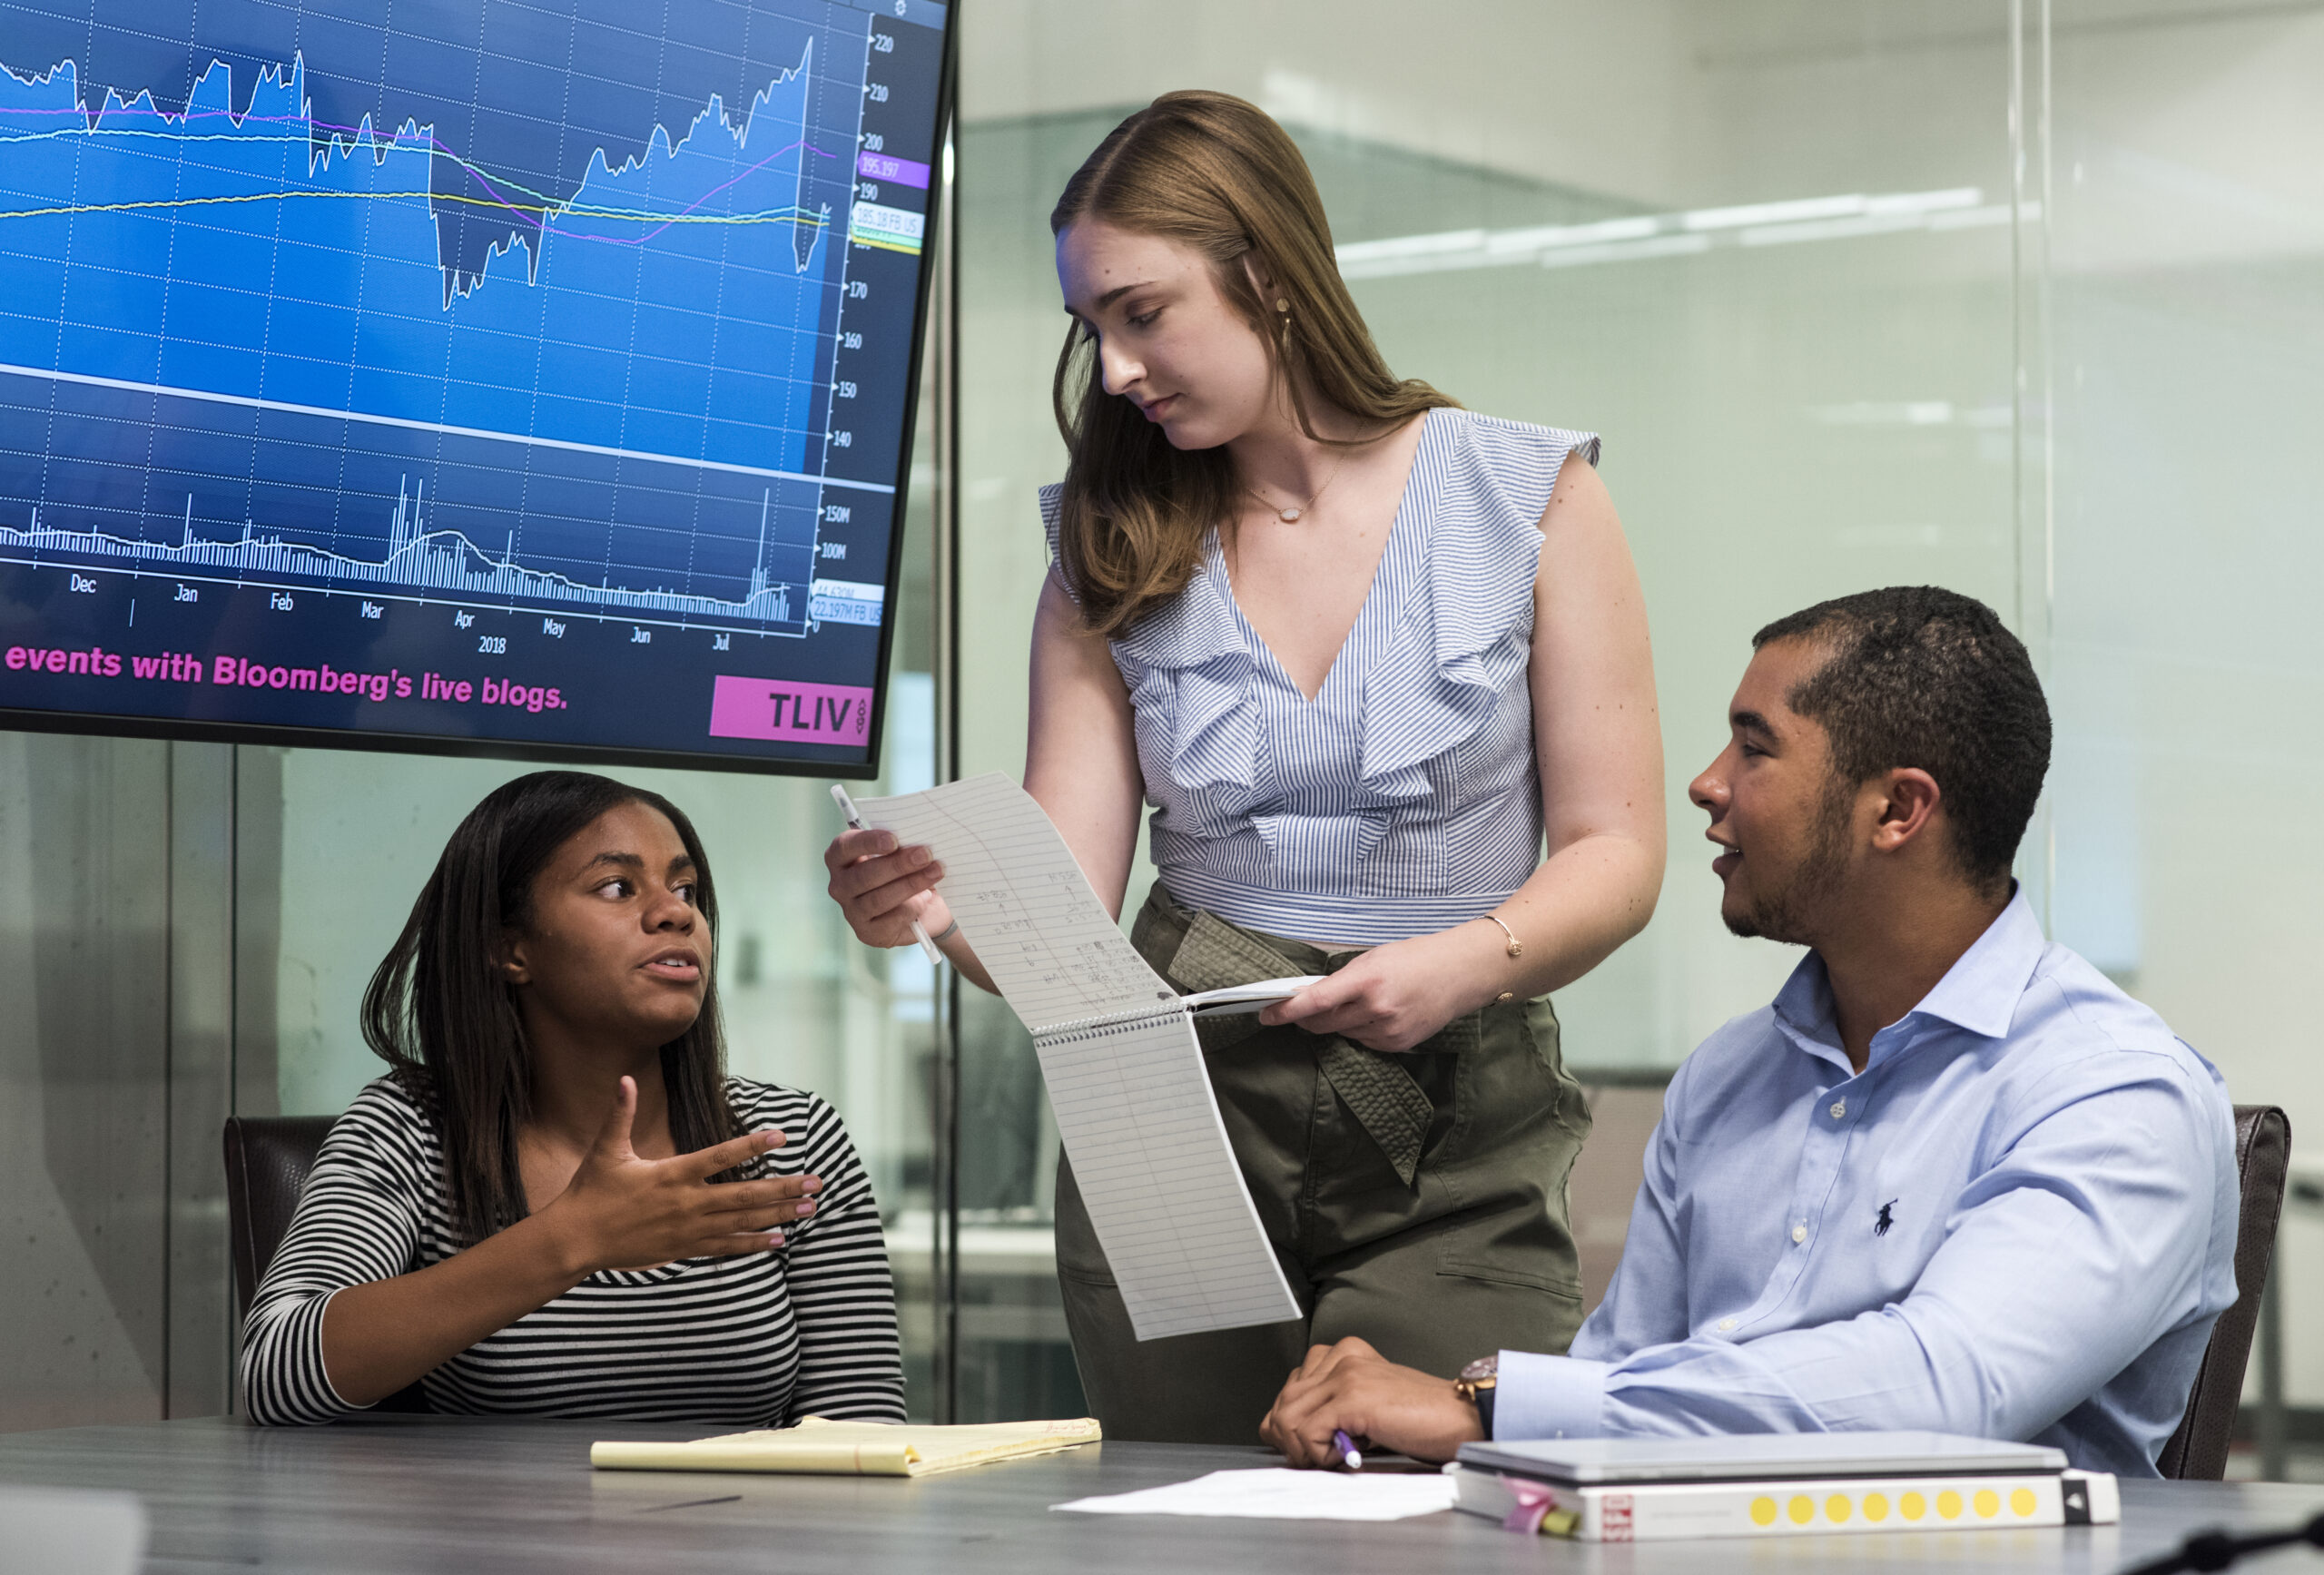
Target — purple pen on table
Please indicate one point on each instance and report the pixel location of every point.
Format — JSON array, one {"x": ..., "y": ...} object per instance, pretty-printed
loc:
[{"x": 1350, "y": 1456}]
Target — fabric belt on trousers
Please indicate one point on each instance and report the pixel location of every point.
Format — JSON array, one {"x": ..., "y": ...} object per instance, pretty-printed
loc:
[{"x": 1391, "y": 1107}]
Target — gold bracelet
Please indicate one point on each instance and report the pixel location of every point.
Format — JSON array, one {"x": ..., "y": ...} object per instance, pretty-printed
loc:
[{"x": 1516, "y": 948}]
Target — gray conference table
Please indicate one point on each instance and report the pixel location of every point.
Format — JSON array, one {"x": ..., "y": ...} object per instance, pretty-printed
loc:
[{"x": 391, "y": 1493}]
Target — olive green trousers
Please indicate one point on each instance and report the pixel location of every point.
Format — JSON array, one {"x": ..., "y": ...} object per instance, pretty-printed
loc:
[{"x": 1417, "y": 1200}]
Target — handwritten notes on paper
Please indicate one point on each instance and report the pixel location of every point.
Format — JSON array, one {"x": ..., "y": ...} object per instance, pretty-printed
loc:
[
  {"x": 1022, "y": 900},
  {"x": 1118, "y": 1048}
]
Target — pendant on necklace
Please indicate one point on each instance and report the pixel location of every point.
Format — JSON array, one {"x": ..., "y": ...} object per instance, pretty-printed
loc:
[{"x": 1288, "y": 516}]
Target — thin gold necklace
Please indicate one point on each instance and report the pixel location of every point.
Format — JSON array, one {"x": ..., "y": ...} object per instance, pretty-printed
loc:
[{"x": 1291, "y": 515}]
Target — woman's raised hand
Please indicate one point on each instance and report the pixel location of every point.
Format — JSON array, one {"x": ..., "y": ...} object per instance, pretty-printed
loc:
[
  {"x": 623, "y": 1212},
  {"x": 882, "y": 888}
]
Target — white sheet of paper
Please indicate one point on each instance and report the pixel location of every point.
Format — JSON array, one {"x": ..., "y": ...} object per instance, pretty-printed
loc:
[
  {"x": 1124, "y": 1073},
  {"x": 71, "y": 1531},
  {"x": 1280, "y": 1493}
]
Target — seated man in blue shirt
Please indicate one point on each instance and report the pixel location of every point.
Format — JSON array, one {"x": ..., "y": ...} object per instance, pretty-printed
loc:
[{"x": 1952, "y": 1179}]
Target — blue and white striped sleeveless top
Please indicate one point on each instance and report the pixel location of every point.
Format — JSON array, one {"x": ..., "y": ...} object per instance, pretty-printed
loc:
[{"x": 1403, "y": 798}]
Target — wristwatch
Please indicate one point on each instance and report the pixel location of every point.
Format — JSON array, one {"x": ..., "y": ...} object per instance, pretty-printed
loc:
[{"x": 1476, "y": 1385}]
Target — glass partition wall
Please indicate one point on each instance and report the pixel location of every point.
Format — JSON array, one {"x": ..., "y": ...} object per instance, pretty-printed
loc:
[{"x": 2184, "y": 304}]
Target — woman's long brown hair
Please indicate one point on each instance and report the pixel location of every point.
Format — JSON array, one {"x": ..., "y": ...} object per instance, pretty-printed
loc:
[
  {"x": 440, "y": 1013},
  {"x": 1211, "y": 171}
]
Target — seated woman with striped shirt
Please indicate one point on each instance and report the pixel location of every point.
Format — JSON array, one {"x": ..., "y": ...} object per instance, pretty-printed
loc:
[{"x": 556, "y": 1203}]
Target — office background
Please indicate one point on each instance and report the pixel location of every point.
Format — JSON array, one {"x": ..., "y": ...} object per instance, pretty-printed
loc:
[{"x": 2022, "y": 297}]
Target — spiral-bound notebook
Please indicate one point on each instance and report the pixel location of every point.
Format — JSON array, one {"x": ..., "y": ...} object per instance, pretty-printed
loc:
[{"x": 1118, "y": 1048}]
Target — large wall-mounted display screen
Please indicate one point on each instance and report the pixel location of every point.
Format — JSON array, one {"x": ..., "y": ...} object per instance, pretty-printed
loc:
[{"x": 525, "y": 376}]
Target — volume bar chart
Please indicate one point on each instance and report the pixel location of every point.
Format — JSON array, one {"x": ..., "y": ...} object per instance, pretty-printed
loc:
[{"x": 442, "y": 561}]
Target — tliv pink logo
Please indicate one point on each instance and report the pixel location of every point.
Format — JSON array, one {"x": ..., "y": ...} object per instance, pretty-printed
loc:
[{"x": 780, "y": 710}]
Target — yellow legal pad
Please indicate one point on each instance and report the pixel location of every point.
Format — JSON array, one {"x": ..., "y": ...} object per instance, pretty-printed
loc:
[{"x": 863, "y": 1449}]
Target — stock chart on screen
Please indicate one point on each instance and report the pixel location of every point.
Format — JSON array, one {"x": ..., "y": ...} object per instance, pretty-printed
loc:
[{"x": 528, "y": 376}]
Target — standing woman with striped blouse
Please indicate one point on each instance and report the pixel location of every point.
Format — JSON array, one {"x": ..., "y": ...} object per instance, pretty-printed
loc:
[
  {"x": 1361, "y": 650},
  {"x": 557, "y": 1203}
]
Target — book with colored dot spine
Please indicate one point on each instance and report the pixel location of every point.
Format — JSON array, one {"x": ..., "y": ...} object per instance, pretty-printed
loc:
[{"x": 1654, "y": 1489}]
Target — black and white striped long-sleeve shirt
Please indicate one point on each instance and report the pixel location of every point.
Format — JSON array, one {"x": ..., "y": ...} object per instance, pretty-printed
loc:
[{"x": 806, "y": 1330}]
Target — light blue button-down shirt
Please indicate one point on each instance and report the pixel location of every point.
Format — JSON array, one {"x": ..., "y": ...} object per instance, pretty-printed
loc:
[{"x": 2018, "y": 1222}]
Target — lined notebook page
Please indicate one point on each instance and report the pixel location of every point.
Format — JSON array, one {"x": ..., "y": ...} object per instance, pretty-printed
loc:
[
  {"x": 1151, "y": 1157},
  {"x": 1133, "y": 1102},
  {"x": 1022, "y": 901}
]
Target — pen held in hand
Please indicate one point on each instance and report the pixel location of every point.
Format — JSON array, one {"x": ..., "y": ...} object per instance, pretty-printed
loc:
[
  {"x": 1350, "y": 1456},
  {"x": 855, "y": 822}
]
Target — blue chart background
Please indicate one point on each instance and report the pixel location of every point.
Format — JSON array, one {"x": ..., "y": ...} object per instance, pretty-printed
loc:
[
  {"x": 694, "y": 336},
  {"x": 512, "y": 310},
  {"x": 496, "y": 286}
]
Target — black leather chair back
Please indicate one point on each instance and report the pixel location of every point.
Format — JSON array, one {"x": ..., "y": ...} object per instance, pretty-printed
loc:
[
  {"x": 266, "y": 1161},
  {"x": 2198, "y": 1450}
]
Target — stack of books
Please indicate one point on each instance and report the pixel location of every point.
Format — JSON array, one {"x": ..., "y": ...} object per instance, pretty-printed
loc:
[{"x": 1642, "y": 1490}]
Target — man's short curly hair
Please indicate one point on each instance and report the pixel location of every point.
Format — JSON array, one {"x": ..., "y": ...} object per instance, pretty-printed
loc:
[{"x": 1922, "y": 677}]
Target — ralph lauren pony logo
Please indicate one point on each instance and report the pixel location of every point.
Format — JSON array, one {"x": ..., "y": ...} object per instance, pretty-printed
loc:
[{"x": 1880, "y": 1226}]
